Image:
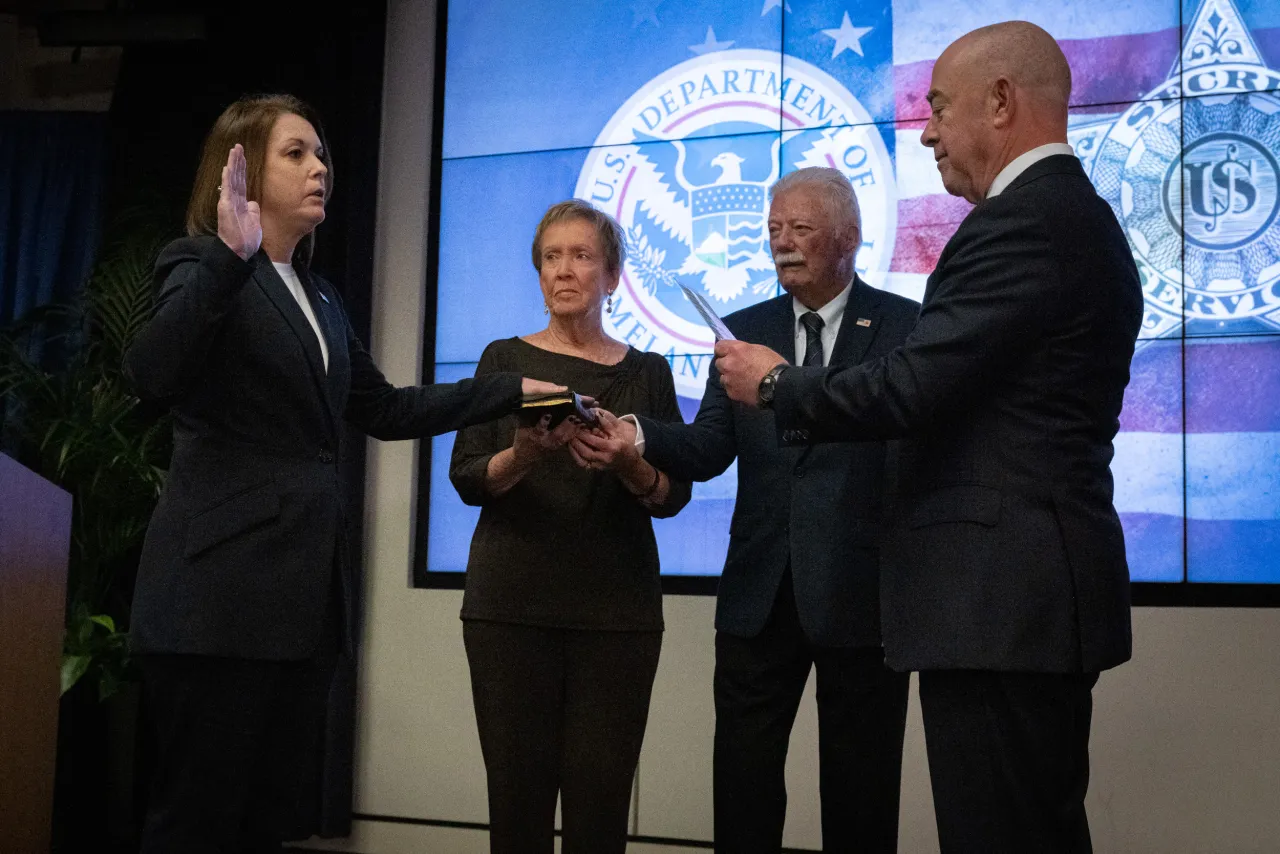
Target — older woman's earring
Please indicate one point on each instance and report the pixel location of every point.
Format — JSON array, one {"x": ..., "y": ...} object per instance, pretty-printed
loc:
[
  {"x": 546, "y": 309},
  {"x": 609, "y": 304}
]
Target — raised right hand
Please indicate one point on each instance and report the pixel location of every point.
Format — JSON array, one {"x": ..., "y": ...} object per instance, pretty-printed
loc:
[{"x": 239, "y": 220}]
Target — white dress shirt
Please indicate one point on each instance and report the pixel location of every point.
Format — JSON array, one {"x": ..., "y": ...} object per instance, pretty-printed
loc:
[
  {"x": 1022, "y": 162},
  {"x": 831, "y": 313},
  {"x": 295, "y": 287}
]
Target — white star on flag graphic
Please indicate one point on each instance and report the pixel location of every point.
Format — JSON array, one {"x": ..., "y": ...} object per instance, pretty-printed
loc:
[
  {"x": 710, "y": 45},
  {"x": 847, "y": 36}
]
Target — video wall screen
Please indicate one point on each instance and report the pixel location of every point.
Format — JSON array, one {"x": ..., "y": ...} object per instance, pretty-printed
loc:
[{"x": 642, "y": 107}]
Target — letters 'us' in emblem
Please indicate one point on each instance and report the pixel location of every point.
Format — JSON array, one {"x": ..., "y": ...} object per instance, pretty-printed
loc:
[{"x": 1191, "y": 172}]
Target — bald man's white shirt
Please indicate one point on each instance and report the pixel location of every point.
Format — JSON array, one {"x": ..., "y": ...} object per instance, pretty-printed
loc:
[{"x": 1025, "y": 161}]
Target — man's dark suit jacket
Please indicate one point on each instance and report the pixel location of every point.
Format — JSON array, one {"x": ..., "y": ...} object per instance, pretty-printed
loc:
[
  {"x": 818, "y": 507},
  {"x": 239, "y": 556},
  {"x": 1006, "y": 552}
]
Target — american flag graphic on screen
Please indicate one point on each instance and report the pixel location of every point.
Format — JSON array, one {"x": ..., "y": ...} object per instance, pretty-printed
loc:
[{"x": 676, "y": 117}]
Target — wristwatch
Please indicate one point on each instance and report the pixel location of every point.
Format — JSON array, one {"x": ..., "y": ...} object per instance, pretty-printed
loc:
[{"x": 769, "y": 384}]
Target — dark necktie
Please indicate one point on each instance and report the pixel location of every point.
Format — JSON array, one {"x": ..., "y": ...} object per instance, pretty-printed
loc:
[{"x": 812, "y": 323}]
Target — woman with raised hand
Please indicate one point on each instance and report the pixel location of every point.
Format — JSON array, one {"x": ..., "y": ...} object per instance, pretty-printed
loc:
[{"x": 243, "y": 601}]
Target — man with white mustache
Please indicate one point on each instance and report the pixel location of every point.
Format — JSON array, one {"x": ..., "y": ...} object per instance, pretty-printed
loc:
[{"x": 800, "y": 587}]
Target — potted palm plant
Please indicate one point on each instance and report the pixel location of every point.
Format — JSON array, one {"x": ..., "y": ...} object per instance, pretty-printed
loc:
[{"x": 67, "y": 413}]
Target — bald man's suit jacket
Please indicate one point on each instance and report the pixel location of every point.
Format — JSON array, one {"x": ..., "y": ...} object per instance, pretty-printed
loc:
[{"x": 1005, "y": 551}]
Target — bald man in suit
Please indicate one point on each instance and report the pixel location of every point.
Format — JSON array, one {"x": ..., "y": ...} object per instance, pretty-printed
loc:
[{"x": 1005, "y": 582}]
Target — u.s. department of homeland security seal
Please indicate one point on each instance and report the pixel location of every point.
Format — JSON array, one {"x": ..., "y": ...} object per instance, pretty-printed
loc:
[
  {"x": 685, "y": 166},
  {"x": 1192, "y": 176}
]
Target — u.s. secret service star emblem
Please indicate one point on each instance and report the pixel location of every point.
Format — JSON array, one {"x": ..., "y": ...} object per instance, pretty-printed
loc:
[{"x": 1199, "y": 157}]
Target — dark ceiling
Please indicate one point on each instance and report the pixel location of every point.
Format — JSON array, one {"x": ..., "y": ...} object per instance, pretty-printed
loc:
[{"x": 29, "y": 9}]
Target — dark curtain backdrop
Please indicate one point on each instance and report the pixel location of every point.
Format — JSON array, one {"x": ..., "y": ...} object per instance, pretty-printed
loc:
[
  {"x": 52, "y": 171},
  {"x": 166, "y": 99}
]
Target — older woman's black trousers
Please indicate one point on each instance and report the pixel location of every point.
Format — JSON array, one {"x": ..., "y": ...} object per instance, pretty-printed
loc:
[{"x": 560, "y": 711}]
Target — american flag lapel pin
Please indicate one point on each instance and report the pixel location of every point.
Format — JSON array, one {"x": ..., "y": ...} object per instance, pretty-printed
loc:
[
  {"x": 864, "y": 321},
  {"x": 326, "y": 299}
]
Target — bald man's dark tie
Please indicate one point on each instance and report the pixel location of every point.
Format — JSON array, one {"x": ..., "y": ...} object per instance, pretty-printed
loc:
[{"x": 812, "y": 323}]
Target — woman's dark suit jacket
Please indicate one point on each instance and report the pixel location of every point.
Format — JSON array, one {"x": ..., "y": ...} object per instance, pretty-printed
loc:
[{"x": 240, "y": 554}]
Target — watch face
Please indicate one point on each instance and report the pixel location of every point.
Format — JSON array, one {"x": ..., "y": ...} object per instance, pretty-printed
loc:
[{"x": 767, "y": 386}]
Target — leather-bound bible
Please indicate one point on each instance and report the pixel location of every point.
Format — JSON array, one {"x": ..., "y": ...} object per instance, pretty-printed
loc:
[{"x": 559, "y": 405}]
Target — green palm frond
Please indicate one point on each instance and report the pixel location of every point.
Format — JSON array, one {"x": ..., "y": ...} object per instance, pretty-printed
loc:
[
  {"x": 80, "y": 426},
  {"x": 119, "y": 295}
]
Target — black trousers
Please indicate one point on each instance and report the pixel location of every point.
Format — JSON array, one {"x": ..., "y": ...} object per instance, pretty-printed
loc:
[
  {"x": 559, "y": 711},
  {"x": 1008, "y": 760},
  {"x": 239, "y": 746},
  {"x": 862, "y": 711},
  {"x": 233, "y": 738}
]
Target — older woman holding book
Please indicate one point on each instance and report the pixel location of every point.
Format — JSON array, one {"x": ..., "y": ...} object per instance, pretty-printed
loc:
[{"x": 563, "y": 606}]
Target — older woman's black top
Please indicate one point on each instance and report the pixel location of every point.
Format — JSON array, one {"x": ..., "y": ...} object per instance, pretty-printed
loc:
[{"x": 566, "y": 547}]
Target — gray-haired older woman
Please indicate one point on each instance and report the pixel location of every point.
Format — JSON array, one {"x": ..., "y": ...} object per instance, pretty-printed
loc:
[{"x": 563, "y": 606}]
